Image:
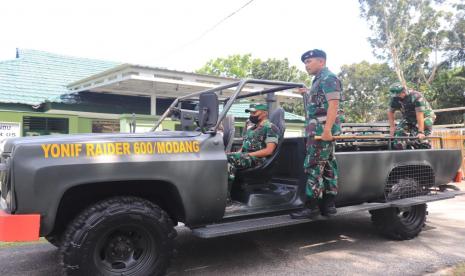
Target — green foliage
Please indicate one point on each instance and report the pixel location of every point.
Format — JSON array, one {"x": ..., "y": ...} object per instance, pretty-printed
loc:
[
  {"x": 406, "y": 33},
  {"x": 455, "y": 47},
  {"x": 449, "y": 88},
  {"x": 234, "y": 66},
  {"x": 366, "y": 91}
]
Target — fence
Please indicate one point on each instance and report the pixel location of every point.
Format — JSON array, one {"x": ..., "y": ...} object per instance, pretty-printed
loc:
[{"x": 452, "y": 139}]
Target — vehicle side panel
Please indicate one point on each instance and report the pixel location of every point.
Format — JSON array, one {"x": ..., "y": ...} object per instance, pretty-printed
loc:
[
  {"x": 363, "y": 175},
  {"x": 200, "y": 178}
]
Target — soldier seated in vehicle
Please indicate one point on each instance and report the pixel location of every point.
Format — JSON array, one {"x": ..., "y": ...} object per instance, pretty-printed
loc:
[{"x": 260, "y": 141}]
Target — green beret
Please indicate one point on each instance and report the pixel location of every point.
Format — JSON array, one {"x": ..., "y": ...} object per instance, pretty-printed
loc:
[
  {"x": 396, "y": 88},
  {"x": 257, "y": 106}
]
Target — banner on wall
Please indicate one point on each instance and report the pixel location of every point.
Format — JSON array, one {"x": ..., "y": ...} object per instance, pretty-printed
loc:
[{"x": 9, "y": 130}]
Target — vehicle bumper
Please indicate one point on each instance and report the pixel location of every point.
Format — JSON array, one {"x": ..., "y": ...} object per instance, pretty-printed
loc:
[{"x": 15, "y": 228}]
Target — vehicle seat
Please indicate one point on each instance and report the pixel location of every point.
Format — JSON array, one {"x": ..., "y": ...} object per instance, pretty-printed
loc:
[
  {"x": 262, "y": 173},
  {"x": 228, "y": 132}
]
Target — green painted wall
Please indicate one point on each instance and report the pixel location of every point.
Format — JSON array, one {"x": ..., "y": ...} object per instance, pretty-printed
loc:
[
  {"x": 17, "y": 116},
  {"x": 144, "y": 122},
  {"x": 84, "y": 125}
]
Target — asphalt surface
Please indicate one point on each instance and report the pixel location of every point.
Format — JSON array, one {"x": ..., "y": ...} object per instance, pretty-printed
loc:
[{"x": 347, "y": 245}]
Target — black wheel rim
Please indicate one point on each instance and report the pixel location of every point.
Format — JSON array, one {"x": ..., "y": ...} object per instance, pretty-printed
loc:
[
  {"x": 408, "y": 215},
  {"x": 127, "y": 249}
]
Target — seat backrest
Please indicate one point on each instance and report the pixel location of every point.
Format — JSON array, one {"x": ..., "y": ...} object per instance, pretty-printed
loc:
[
  {"x": 277, "y": 118},
  {"x": 228, "y": 132},
  {"x": 264, "y": 170}
]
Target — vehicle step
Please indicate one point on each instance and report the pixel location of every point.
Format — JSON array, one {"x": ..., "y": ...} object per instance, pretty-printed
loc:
[
  {"x": 256, "y": 224},
  {"x": 242, "y": 226},
  {"x": 405, "y": 202}
]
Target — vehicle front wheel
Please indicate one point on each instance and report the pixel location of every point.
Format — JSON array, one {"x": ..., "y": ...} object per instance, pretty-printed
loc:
[
  {"x": 400, "y": 223},
  {"x": 119, "y": 236},
  {"x": 55, "y": 240}
]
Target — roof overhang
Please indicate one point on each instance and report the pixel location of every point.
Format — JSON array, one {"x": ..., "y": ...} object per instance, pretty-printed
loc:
[{"x": 137, "y": 80}]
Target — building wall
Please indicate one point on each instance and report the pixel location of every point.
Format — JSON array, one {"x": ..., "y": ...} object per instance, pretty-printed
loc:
[
  {"x": 17, "y": 117},
  {"x": 144, "y": 123}
]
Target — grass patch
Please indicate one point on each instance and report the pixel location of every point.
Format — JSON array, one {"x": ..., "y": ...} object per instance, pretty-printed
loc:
[
  {"x": 459, "y": 270},
  {"x": 12, "y": 244}
]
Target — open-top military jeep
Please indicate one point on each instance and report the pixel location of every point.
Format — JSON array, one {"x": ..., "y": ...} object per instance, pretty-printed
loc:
[{"x": 110, "y": 201}]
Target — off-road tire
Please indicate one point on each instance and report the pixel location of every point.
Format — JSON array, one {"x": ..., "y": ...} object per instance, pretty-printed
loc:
[
  {"x": 400, "y": 224},
  {"x": 55, "y": 240},
  {"x": 117, "y": 226}
]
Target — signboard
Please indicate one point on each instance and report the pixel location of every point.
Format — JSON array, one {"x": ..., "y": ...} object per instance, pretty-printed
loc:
[{"x": 9, "y": 130}]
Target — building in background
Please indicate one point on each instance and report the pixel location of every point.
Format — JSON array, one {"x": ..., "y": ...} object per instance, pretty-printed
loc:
[{"x": 43, "y": 93}]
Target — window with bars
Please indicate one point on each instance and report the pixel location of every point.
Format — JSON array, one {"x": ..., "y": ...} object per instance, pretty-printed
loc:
[{"x": 35, "y": 126}]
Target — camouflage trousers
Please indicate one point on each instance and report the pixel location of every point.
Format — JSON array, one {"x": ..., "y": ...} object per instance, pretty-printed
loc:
[
  {"x": 321, "y": 169},
  {"x": 409, "y": 128},
  {"x": 239, "y": 160}
]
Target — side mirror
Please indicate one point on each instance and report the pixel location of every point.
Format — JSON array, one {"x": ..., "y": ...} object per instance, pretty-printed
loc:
[{"x": 208, "y": 111}]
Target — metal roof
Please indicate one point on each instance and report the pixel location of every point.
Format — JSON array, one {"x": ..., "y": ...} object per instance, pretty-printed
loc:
[{"x": 37, "y": 76}]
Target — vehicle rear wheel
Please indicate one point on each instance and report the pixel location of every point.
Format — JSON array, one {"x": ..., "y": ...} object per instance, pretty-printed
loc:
[
  {"x": 400, "y": 223},
  {"x": 119, "y": 236}
]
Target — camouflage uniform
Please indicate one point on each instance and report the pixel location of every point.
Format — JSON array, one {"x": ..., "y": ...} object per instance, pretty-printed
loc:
[
  {"x": 255, "y": 139},
  {"x": 320, "y": 163},
  {"x": 413, "y": 102}
]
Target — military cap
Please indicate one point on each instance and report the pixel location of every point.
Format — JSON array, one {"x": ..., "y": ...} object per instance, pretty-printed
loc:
[
  {"x": 396, "y": 88},
  {"x": 256, "y": 106},
  {"x": 315, "y": 53}
]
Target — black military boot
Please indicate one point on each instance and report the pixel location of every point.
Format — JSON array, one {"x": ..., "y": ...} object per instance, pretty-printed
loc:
[
  {"x": 328, "y": 206},
  {"x": 309, "y": 211}
]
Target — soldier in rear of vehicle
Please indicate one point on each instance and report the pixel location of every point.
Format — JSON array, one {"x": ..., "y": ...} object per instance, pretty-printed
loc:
[{"x": 417, "y": 116}]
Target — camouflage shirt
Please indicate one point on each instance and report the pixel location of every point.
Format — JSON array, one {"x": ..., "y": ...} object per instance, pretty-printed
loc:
[
  {"x": 412, "y": 103},
  {"x": 325, "y": 87},
  {"x": 258, "y": 136}
]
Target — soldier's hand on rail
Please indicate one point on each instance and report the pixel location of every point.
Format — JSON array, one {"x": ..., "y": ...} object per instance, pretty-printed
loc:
[
  {"x": 327, "y": 136},
  {"x": 421, "y": 136},
  {"x": 302, "y": 90}
]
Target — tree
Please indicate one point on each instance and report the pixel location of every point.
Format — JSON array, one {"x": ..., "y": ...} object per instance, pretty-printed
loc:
[
  {"x": 234, "y": 66},
  {"x": 455, "y": 46},
  {"x": 450, "y": 87},
  {"x": 406, "y": 33},
  {"x": 366, "y": 91},
  {"x": 244, "y": 66}
]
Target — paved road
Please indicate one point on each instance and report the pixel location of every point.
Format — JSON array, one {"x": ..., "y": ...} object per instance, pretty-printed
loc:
[{"x": 341, "y": 246}]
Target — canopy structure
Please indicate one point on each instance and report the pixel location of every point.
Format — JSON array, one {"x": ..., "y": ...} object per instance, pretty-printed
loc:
[{"x": 137, "y": 80}]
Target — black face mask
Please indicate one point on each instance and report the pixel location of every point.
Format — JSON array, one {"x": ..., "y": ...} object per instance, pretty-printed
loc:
[{"x": 254, "y": 119}]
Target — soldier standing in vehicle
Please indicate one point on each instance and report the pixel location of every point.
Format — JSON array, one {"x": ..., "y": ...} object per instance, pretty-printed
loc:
[
  {"x": 323, "y": 119},
  {"x": 260, "y": 141},
  {"x": 417, "y": 115}
]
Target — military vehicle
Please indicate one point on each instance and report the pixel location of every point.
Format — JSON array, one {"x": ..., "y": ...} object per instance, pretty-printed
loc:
[{"x": 110, "y": 202}]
